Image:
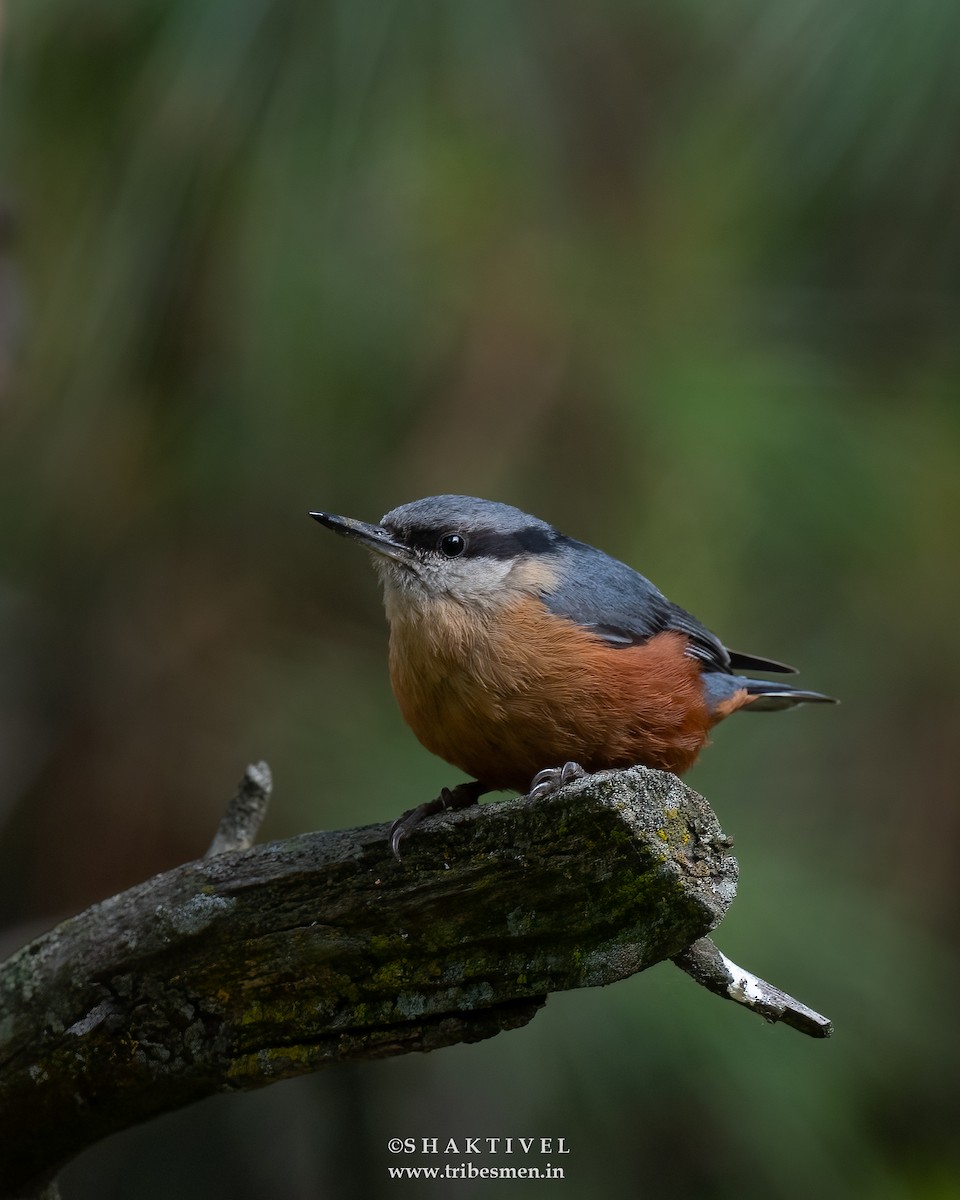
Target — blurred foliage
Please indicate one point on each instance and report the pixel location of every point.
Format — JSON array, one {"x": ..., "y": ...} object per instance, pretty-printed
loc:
[{"x": 682, "y": 278}]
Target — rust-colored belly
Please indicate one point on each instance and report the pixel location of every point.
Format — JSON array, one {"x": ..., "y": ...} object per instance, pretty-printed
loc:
[{"x": 523, "y": 689}]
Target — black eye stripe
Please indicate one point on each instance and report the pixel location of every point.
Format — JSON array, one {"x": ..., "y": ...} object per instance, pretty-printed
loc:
[
  {"x": 534, "y": 539},
  {"x": 484, "y": 543}
]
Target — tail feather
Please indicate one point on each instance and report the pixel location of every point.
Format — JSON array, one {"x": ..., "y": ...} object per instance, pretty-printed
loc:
[
  {"x": 751, "y": 662},
  {"x": 767, "y": 696}
]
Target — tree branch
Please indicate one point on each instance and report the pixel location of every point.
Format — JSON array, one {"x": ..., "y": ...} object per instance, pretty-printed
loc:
[
  {"x": 241, "y": 822},
  {"x": 709, "y": 966},
  {"x": 255, "y": 965}
]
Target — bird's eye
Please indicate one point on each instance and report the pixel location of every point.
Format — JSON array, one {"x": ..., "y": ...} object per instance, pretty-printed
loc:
[{"x": 452, "y": 545}]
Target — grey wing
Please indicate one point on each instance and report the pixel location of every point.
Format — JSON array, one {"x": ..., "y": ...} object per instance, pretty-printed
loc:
[{"x": 623, "y": 607}]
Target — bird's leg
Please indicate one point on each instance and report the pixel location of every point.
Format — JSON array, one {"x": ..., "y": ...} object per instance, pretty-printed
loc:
[
  {"x": 545, "y": 783},
  {"x": 462, "y": 796}
]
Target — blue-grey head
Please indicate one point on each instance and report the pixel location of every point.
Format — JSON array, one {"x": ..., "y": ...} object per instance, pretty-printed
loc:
[{"x": 461, "y": 548}]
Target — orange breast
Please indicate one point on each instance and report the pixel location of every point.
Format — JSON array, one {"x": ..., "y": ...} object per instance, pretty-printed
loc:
[{"x": 521, "y": 689}]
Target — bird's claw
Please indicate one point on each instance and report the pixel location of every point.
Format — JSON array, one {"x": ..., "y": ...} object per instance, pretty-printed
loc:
[
  {"x": 463, "y": 795},
  {"x": 552, "y": 779}
]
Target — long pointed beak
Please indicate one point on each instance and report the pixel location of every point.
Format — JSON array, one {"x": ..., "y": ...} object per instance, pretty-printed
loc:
[{"x": 374, "y": 537}]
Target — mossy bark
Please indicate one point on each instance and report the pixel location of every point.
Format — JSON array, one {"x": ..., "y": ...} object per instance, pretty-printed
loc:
[{"x": 256, "y": 965}]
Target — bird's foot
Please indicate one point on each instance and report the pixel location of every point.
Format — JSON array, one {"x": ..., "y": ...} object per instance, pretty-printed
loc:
[
  {"x": 545, "y": 783},
  {"x": 462, "y": 796}
]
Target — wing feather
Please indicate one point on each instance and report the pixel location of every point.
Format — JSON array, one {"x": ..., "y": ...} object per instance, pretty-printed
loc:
[{"x": 623, "y": 607}]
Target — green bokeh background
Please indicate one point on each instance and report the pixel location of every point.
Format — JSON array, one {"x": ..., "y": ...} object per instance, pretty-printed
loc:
[{"x": 681, "y": 278}]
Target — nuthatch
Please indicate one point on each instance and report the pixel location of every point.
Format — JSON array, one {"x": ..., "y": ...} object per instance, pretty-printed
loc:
[{"x": 514, "y": 647}]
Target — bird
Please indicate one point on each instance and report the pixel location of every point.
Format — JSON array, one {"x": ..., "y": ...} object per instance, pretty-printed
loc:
[{"x": 526, "y": 658}]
